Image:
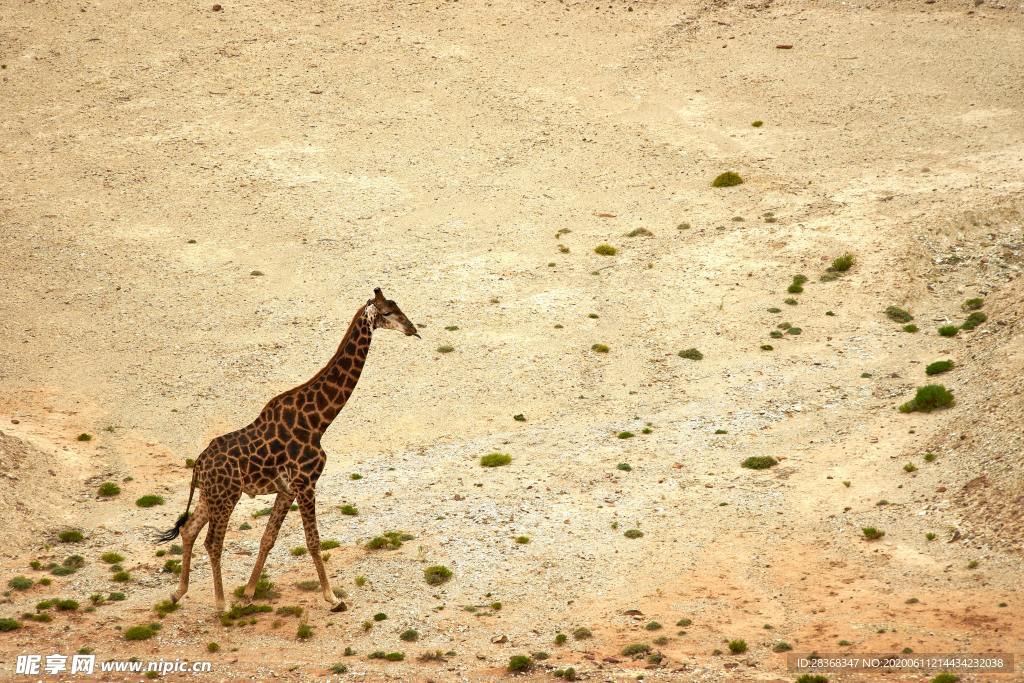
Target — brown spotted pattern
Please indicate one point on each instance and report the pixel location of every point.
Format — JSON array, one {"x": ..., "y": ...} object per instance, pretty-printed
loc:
[{"x": 280, "y": 452}]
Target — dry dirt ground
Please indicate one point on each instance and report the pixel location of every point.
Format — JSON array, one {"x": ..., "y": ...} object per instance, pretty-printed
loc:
[{"x": 193, "y": 203}]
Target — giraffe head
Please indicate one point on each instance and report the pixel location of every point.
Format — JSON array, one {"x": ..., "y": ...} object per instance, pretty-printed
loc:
[{"x": 386, "y": 313}]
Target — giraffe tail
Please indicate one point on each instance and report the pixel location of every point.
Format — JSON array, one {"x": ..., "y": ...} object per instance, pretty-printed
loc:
[{"x": 172, "y": 533}]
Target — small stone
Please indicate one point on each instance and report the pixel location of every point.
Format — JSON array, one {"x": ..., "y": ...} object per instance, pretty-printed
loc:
[{"x": 216, "y": 8}]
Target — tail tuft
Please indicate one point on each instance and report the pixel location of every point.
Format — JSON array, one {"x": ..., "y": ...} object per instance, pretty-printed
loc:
[{"x": 172, "y": 534}]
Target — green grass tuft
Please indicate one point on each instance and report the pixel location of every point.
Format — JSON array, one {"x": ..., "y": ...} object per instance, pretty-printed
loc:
[
  {"x": 871, "y": 533},
  {"x": 70, "y": 536},
  {"x": 599, "y": 348},
  {"x": 437, "y": 574},
  {"x": 973, "y": 304},
  {"x": 727, "y": 179},
  {"x": 948, "y": 330},
  {"x": 149, "y": 501},
  {"x": 495, "y": 459},
  {"x": 938, "y": 367},
  {"x": 929, "y": 398},
  {"x": 843, "y": 263},
  {"x": 633, "y": 533},
  {"x": 973, "y": 320},
  {"x": 738, "y": 646},
  {"x": 605, "y": 250},
  {"x": 897, "y": 314},
  {"x": 519, "y": 663},
  {"x": 108, "y": 489},
  {"x": 142, "y": 632},
  {"x": 691, "y": 354},
  {"x": 759, "y": 462}
]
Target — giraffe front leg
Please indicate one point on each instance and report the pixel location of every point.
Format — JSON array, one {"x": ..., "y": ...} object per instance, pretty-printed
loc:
[
  {"x": 307, "y": 507},
  {"x": 281, "y": 505}
]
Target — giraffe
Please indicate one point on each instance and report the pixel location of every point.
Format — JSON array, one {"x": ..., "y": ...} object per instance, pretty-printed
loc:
[{"x": 279, "y": 452}]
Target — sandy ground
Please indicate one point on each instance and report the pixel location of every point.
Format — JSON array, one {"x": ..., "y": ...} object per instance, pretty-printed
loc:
[{"x": 468, "y": 157}]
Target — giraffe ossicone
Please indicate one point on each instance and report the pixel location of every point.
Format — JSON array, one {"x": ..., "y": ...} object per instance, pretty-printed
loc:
[{"x": 279, "y": 452}]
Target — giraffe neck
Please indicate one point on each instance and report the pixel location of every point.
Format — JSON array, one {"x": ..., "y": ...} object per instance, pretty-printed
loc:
[{"x": 321, "y": 398}]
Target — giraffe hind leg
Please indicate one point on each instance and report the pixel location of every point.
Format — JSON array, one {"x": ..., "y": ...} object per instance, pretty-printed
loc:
[{"x": 189, "y": 533}]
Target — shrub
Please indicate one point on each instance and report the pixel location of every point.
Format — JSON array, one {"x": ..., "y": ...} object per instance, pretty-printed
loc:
[
  {"x": 149, "y": 501},
  {"x": 897, "y": 314},
  {"x": 172, "y": 566},
  {"x": 973, "y": 304},
  {"x": 948, "y": 330},
  {"x": 164, "y": 608},
  {"x": 790, "y": 301},
  {"x": 9, "y": 625},
  {"x": 727, "y": 179},
  {"x": 738, "y": 646},
  {"x": 298, "y": 551},
  {"x": 781, "y": 646},
  {"x": 360, "y": 580},
  {"x": 560, "y": 638},
  {"x": 329, "y": 544},
  {"x": 116, "y": 597},
  {"x": 350, "y": 510},
  {"x": 599, "y": 348},
  {"x": 938, "y": 367},
  {"x": 626, "y": 435},
  {"x": 339, "y": 668},
  {"x": 912, "y": 328},
  {"x": 653, "y": 626},
  {"x": 121, "y": 577},
  {"x": 605, "y": 250},
  {"x": 691, "y": 354},
  {"x": 308, "y": 585},
  {"x": 812, "y": 678},
  {"x": 757, "y": 124},
  {"x": 108, "y": 489},
  {"x": 142, "y": 632},
  {"x": 568, "y": 674},
  {"x": 212, "y": 647},
  {"x": 636, "y": 649},
  {"x": 624, "y": 466},
  {"x": 519, "y": 663},
  {"x": 112, "y": 558},
  {"x": 767, "y": 347},
  {"x": 582, "y": 633},
  {"x": 304, "y": 632},
  {"x": 20, "y": 583},
  {"x": 759, "y": 462},
  {"x": 909, "y": 468},
  {"x": 519, "y": 417},
  {"x": 973, "y": 320},
  {"x": 495, "y": 459},
  {"x": 946, "y": 677},
  {"x": 522, "y": 540},
  {"x": 84, "y": 437},
  {"x": 355, "y": 476},
  {"x": 445, "y": 348},
  {"x": 633, "y": 533},
  {"x": 437, "y": 574},
  {"x": 871, "y": 533},
  {"x": 389, "y": 540},
  {"x": 289, "y": 611},
  {"x": 70, "y": 536},
  {"x": 929, "y": 398},
  {"x": 843, "y": 263},
  {"x": 409, "y": 635},
  {"x": 929, "y": 456},
  {"x": 684, "y": 622},
  {"x": 640, "y": 232}
]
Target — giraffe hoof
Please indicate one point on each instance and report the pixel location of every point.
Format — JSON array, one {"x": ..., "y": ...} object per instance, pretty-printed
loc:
[{"x": 340, "y": 607}]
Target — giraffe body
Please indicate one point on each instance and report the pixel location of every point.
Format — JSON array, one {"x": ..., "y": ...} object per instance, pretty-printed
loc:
[{"x": 279, "y": 452}]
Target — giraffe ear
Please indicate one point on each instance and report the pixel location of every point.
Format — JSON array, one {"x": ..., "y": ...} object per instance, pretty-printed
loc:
[{"x": 378, "y": 295}]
